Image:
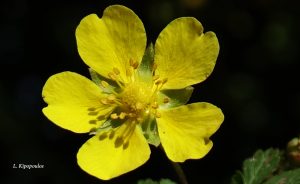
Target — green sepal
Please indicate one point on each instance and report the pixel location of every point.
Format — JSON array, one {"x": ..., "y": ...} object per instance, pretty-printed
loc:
[
  {"x": 96, "y": 78},
  {"x": 287, "y": 177},
  {"x": 149, "y": 127},
  {"x": 145, "y": 68},
  {"x": 176, "y": 97}
]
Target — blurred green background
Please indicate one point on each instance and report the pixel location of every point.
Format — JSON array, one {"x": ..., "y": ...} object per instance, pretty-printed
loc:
[{"x": 255, "y": 83}]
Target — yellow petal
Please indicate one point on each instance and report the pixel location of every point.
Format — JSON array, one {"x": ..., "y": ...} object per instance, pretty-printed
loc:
[
  {"x": 110, "y": 42},
  {"x": 102, "y": 156},
  {"x": 184, "y": 54},
  {"x": 184, "y": 131},
  {"x": 73, "y": 102}
]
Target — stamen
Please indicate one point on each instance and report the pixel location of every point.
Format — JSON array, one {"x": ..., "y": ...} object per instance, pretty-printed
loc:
[
  {"x": 122, "y": 115},
  {"x": 102, "y": 136},
  {"x": 93, "y": 113},
  {"x": 140, "y": 119},
  {"x": 104, "y": 101},
  {"x": 157, "y": 114},
  {"x": 131, "y": 62},
  {"x": 155, "y": 105},
  {"x": 155, "y": 77},
  {"x": 112, "y": 76},
  {"x": 104, "y": 84},
  {"x": 164, "y": 80},
  {"x": 154, "y": 67},
  {"x": 116, "y": 71},
  {"x": 158, "y": 82},
  {"x": 131, "y": 115},
  {"x": 111, "y": 97},
  {"x": 93, "y": 122},
  {"x": 119, "y": 141},
  {"x": 125, "y": 145},
  {"x": 128, "y": 72},
  {"x": 139, "y": 106},
  {"x": 112, "y": 134},
  {"x": 92, "y": 109},
  {"x": 166, "y": 100},
  {"x": 128, "y": 131},
  {"x": 135, "y": 65},
  {"x": 114, "y": 116}
]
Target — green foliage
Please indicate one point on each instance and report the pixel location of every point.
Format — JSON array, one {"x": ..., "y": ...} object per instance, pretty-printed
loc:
[
  {"x": 287, "y": 177},
  {"x": 266, "y": 167},
  {"x": 150, "y": 181},
  {"x": 258, "y": 168}
]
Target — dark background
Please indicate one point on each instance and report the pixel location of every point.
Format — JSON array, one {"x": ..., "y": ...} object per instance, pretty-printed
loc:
[{"x": 255, "y": 83}]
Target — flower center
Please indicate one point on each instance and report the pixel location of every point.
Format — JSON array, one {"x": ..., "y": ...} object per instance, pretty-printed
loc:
[
  {"x": 137, "y": 98},
  {"x": 133, "y": 102}
]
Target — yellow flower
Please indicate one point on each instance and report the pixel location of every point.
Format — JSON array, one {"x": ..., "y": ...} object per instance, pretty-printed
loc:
[{"x": 138, "y": 99}]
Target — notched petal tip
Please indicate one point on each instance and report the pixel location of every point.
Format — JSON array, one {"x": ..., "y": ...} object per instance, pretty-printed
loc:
[
  {"x": 184, "y": 54},
  {"x": 107, "y": 42},
  {"x": 185, "y": 130}
]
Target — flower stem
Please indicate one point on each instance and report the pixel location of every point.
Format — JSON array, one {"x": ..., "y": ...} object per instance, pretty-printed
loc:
[{"x": 179, "y": 171}]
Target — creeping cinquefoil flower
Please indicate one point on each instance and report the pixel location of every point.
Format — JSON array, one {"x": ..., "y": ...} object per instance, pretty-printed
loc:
[{"x": 137, "y": 96}]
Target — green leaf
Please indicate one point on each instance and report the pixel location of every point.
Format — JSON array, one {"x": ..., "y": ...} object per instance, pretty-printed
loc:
[
  {"x": 147, "y": 181},
  {"x": 150, "y": 181},
  {"x": 166, "y": 181},
  {"x": 150, "y": 131},
  {"x": 259, "y": 167},
  {"x": 287, "y": 177},
  {"x": 176, "y": 97},
  {"x": 237, "y": 178},
  {"x": 146, "y": 66}
]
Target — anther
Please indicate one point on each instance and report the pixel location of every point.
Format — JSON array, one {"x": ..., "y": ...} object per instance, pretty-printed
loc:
[
  {"x": 157, "y": 114},
  {"x": 131, "y": 115},
  {"x": 102, "y": 136},
  {"x": 155, "y": 105},
  {"x": 166, "y": 100},
  {"x": 111, "y": 97},
  {"x": 155, "y": 77},
  {"x": 128, "y": 72},
  {"x": 164, "y": 80},
  {"x": 139, "y": 106},
  {"x": 91, "y": 109},
  {"x": 104, "y": 101},
  {"x": 122, "y": 115},
  {"x": 125, "y": 145},
  {"x": 116, "y": 71},
  {"x": 114, "y": 116},
  {"x": 112, "y": 76},
  {"x": 111, "y": 135},
  {"x": 154, "y": 67},
  {"x": 131, "y": 62},
  {"x": 135, "y": 65},
  {"x": 158, "y": 82},
  {"x": 139, "y": 119},
  {"x": 104, "y": 84}
]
